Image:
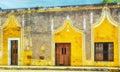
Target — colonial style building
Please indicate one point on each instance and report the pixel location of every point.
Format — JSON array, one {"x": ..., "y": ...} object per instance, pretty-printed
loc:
[{"x": 61, "y": 36}]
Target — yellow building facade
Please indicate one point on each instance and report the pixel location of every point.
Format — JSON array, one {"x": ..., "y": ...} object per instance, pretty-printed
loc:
[
  {"x": 104, "y": 32},
  {"x": 68, "y": 44},
  {"x": 11, "y": 31},
  {"x": 69, "y": 34}
]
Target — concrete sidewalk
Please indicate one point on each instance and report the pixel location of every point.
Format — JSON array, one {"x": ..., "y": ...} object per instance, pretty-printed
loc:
[{"x": 58, "y": 68}]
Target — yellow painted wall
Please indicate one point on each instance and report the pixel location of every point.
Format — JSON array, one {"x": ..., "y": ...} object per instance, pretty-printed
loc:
[
  {"x": 10, "y": 30},
  {"x": 67, "y": 34},
  {"x": 27, "y": 60},
  {"x": 106, "y": 32}
]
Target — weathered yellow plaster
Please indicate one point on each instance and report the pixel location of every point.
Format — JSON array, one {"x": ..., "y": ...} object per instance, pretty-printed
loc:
[
  {"x": 27, "y": 59},
  {"x": 68, "y": 34},
  {"x": 106, "y": 30},
  {"x": 11, "y": 29}
]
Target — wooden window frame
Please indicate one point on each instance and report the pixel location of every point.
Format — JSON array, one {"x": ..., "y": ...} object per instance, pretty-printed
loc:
[{"x": 99, "y": 51}]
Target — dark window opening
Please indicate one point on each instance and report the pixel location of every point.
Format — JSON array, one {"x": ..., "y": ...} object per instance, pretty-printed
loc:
[
  {"x": 29, "y": 57},
  {"x": 64, "y": 51},
  {"x": 104, "y": 51},
  {"x": 15, "y": 51},
  {"x": 41, "y": 57}
]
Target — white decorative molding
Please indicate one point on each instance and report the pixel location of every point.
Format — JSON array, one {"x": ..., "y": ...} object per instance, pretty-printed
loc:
[
  {"x": 91, "y": 18},
  {"x": 68, "y": 17},
  {"x": 106, "y": 14},
  {"x": 23, "y": 20},
  {"x": 52, "y": 24},
  {"x": 84, "y": 22}
]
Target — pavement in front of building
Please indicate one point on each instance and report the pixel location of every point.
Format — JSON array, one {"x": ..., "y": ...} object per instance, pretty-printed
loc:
[{"x": 57, "y": 69}]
